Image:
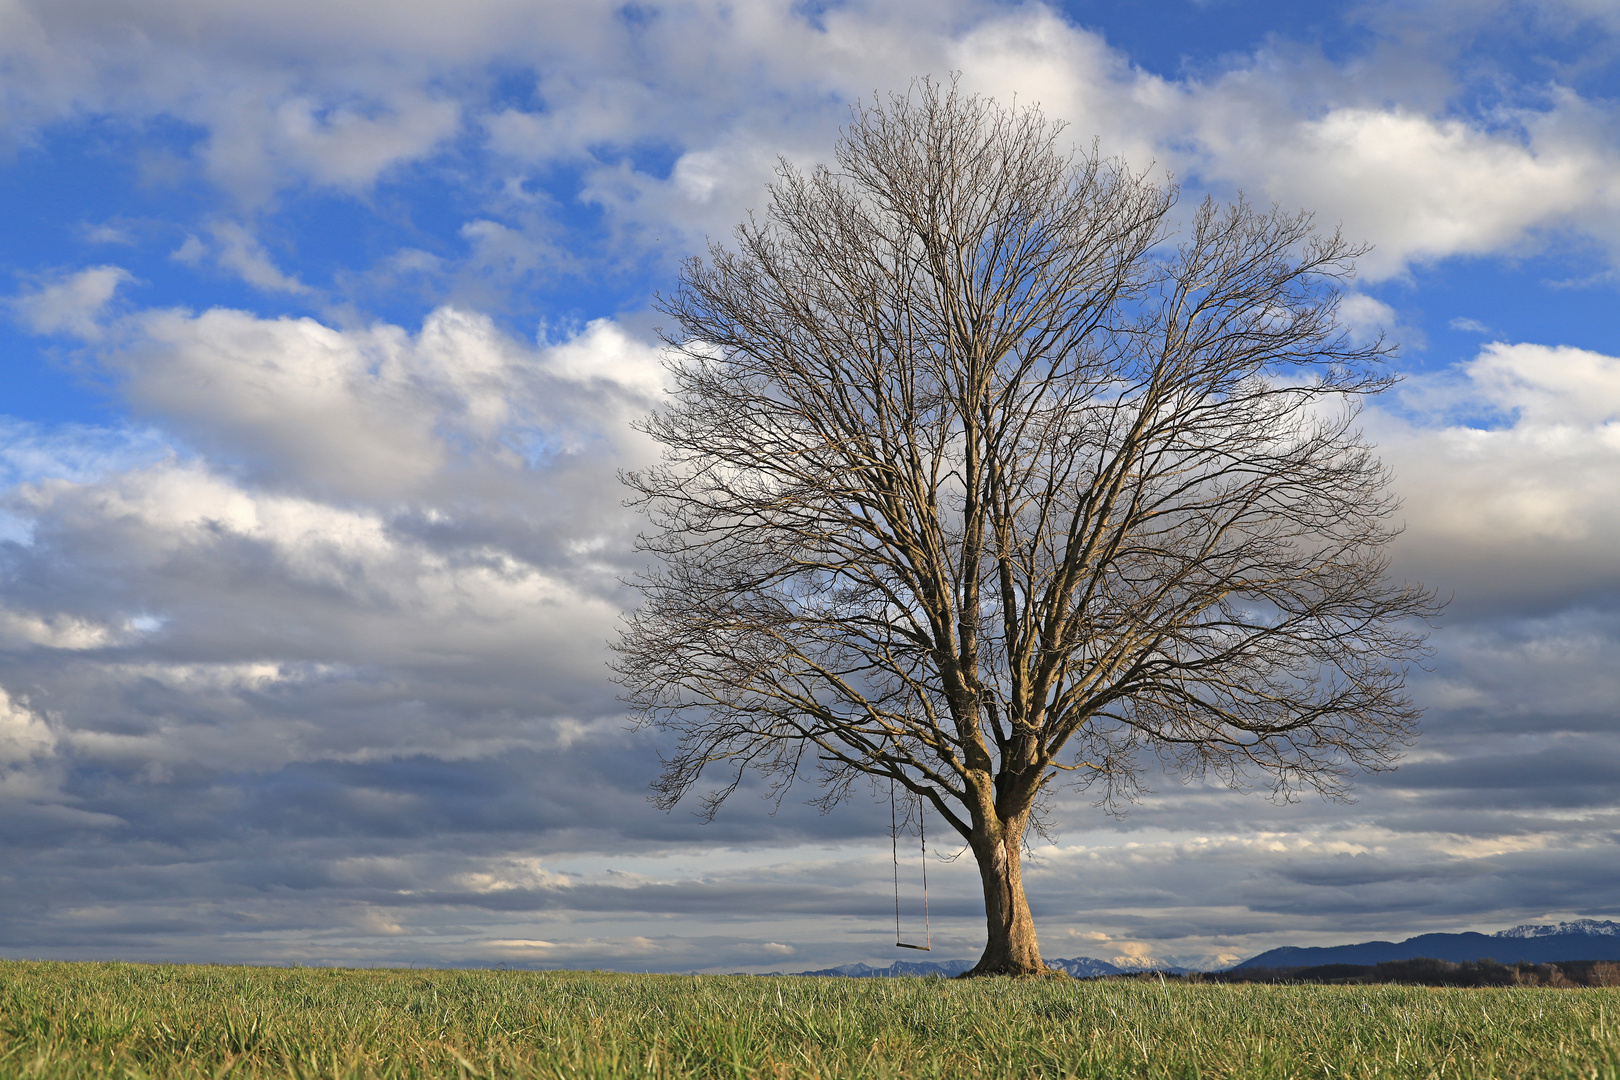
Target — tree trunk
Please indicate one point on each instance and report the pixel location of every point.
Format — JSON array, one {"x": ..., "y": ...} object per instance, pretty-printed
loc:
[{"x": 1010, "y": 948}]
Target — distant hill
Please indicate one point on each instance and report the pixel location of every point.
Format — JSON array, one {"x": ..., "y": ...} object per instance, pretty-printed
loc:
[
  {"x": 1583, "y": 939},
  {"x": 1081, "y": 967}
]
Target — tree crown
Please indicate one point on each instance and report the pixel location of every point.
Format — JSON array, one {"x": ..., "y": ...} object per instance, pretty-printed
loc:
[{"x": 973, "y": 479}]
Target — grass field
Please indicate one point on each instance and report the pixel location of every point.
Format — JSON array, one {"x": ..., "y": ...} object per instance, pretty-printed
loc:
[{"x": 72, "y": 1020}]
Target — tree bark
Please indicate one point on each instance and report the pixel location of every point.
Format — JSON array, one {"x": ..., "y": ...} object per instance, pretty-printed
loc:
[{"x": 1010, "y": 946}]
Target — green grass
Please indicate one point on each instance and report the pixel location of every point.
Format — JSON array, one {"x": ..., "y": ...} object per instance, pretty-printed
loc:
[{"x": 127, "y": 1020}]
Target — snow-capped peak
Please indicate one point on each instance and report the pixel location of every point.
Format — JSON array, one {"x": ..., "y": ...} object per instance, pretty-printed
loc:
[{"x": 1604, "y": 928}]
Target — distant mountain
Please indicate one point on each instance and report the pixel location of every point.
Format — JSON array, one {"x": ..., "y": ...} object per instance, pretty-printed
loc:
[
  {"x": 1084, "y": 967},
  {"x": 1583, "y": 939},
  {"x": 1139, "y": 965},
  {"x": 1579, "y": 926},
  {"x": 1081, "y": 967}
]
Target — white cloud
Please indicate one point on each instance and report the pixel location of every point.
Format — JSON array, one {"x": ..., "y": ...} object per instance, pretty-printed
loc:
[
  {"x": 604, "y": 355},
  {"x": 237, "y": 250},
  {"x": 241, "y": 253},
  {"x": 420, "y": 555},
  {"x": 374, "y": 414},
  {"x": 73, "y": 305},
  {"x": 1521, "y": 498},
  {"x": 108, "y": 233},
  {"x": 1365, "y": 317},
  {"x": 1036, "y": 57},
  {"x": 264, "y": 137},
  {"x": 320, "y": 92},
  {"x": 24, "y": 736},
  {"x": 1419, "y": 187},
  {"x": 325, "y": 94},
  {"x": 55, "y": 631},
  {"x": 1418, "y": 183},
  {"x": 1552, "y": 387},
  {"x": 191, "y": 251},
  {"x": 292, "y": 396}
]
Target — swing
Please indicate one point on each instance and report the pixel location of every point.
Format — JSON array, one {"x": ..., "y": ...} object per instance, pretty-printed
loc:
[{"x": 894, "y": 843}]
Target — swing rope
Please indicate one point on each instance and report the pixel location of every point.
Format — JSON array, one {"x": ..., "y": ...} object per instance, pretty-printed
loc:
[{"x": 894, "y": 845}]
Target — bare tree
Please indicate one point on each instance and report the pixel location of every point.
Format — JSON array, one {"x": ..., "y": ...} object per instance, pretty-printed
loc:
[{"x": 972, "y": 481}]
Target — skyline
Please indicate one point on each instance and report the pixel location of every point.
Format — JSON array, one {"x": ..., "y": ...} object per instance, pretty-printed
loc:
[{"x": 324, "y": 334}]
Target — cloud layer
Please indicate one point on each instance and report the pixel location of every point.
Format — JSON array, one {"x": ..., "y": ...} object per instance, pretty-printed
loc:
[
  {"x": 303, "y": 633},
  {"x": 670, "y": 118}
]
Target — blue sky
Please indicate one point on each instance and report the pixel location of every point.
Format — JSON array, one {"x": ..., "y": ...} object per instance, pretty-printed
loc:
[{"x": 323, "y": 326}]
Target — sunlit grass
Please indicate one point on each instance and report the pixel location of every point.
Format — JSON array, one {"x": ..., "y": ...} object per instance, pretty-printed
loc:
[{"x": 125, "y": 1020}]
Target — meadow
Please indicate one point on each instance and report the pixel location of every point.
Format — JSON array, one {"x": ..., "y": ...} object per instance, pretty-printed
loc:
[{"x": 129, "y": 1020}]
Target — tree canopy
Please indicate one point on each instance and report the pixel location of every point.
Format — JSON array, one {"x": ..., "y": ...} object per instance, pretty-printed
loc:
[{"x": 981, "y": 476}]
